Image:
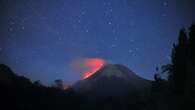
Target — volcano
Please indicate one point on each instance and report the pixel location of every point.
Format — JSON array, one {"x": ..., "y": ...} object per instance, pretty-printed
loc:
[{"x": 111, "y": 80}]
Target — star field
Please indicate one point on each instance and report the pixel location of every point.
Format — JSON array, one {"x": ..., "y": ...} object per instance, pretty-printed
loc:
[{"x": 40, "y": 38}]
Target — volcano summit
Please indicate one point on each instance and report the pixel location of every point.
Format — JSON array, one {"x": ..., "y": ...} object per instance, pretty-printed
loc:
[{"x": 112, "y": 80}]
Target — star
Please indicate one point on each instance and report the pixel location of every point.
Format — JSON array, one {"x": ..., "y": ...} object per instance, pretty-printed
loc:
[
  {"x": 10, "y": 29},
  {"x": 130, "y": 51},
  {"x": 132, "y": 23},
  {"x": 131, "y": 41},
  {"x": 109, "y": 22},
  {"x": 22, "y": 27},
  {"x": 97, "y": 52},
  {"x": 136, "y": 49},
  {"x": 110, "y": 10},
  {"x": 58, "y": 33},
  {"x": 113, "y": 31},
  {"x": 79, "y": 20},
  {"x": 113, "y": 46},
  {"x": 165, "y": 4},
  {"x": 86, "y": 30},
  {"x": 164, "y": 15},
  {"x": 83, "y": 12},
  {"x": 60, "y": 38},
  {"x": 11, "y": 22},
  {"x": 34, "y": 52},
  {"x": 115, "y": 38}
]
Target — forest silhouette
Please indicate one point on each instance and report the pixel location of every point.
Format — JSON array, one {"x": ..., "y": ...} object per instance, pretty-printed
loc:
[{"x": 175, "y": 92}]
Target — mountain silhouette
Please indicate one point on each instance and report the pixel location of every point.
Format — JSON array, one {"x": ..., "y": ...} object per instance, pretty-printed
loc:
[
  {"x": 19, "y": 93},
  {"x": 112, "y": 80}
]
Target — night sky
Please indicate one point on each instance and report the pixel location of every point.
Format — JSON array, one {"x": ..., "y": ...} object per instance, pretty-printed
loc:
[{"x": 40, "y": 38}]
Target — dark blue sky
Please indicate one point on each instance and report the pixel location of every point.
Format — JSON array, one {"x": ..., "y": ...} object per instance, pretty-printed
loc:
[{"x": 39, "y": 38}]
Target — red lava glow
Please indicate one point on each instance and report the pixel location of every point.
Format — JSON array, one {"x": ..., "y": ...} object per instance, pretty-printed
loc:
[{"x": 93, "y": 65}]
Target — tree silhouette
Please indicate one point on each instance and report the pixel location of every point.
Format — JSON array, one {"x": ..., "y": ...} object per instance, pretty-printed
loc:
[
  {"x": 178, "y": 69},
  {"x": 191, "y": 61},
  {"x": 59, "y": 84},
  {"x": 181, "y": 70},
  {"x": 179, "y": 63},
  {"x": 157, "y": 76},
  {"x": 37, "y": 83},
  {"x": 192, "y": 43}
]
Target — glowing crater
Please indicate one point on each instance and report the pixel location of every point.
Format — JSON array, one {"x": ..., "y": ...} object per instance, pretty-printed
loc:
[{"x": 92, "y": 65}]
